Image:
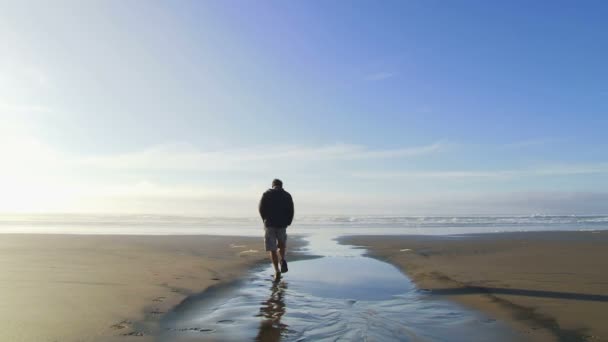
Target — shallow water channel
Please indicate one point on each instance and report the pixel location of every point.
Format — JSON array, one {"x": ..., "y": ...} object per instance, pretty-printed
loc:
[{"x": 341, "y": 295}]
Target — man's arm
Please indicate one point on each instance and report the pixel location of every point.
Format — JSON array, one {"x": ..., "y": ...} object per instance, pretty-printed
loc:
[
  {"x": 290, "y": 210},
  {"x": 263, "y": 207}
]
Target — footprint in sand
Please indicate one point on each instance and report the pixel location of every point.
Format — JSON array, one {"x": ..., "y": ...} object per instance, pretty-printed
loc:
[
  {"x": 121, "y": 325},
  {"x": 250, "y": 251},
  {"x": 193, "y": 329},
  {"x": 159, "y": 299},
  {"x": 134, "y": 333}
]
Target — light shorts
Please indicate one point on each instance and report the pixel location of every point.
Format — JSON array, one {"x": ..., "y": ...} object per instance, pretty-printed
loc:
[{"x": 273, "y": 236}]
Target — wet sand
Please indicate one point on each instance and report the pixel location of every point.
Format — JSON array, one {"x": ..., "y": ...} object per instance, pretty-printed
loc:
[
  {"x": 550, "y": 286},
  {"x": 99, "y": 288}
]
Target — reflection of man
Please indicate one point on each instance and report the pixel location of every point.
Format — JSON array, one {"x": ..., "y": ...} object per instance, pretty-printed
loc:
[
  {"x": 272, "y": 310},
  {"x": 276, "y": 209}
]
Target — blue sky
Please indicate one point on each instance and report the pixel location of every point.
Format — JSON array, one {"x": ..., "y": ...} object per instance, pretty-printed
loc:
[{"x": 401, "y": 108}]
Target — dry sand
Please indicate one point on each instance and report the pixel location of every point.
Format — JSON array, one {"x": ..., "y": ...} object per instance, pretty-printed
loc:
[
  {"x": 96, "y": 288},
  {"x": 550, "y": 286}
]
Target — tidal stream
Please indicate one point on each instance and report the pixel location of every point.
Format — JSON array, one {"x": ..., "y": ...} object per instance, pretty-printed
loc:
[{"x": 340, "y": 296}]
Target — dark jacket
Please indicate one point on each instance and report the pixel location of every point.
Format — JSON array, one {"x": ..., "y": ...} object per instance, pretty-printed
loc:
[{"x": 276, "y": 208}]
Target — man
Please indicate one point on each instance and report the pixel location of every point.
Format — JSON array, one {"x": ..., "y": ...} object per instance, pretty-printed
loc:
[{"x": 276, "y": 210}]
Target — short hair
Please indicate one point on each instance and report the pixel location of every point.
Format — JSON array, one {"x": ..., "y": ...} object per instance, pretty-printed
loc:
[{"x": 277, "y": 182}]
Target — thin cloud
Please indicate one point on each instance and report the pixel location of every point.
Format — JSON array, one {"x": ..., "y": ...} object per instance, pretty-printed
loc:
[
  {"x": 380, "y": 76},
  {"x": 529, "y": 143},
  {"x": 187, "y": 157},
  {"x": 436, "y": 175},
  {"x": 571, "y": 169},
  {"x": 56, "y": 187},
  {"x": 548, "y": 170}
]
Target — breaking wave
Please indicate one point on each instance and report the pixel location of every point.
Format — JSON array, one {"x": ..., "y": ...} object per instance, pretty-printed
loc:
[{"x": 168, "y": 224}]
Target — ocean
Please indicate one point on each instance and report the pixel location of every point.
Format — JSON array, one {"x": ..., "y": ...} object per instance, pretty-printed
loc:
[{"x": 251, "y": 226}]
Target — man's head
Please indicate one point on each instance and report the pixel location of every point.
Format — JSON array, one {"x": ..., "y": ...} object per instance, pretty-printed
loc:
[{"x": 276, "y": 183}]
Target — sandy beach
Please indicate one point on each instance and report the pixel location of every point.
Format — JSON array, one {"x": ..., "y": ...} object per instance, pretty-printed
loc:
[
  {"x": 550, "y": 286},
  {"x": 101, "y": 288}
]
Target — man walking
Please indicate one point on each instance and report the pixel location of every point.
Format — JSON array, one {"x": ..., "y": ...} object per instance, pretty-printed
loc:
[{"x": 276, "y": 210}]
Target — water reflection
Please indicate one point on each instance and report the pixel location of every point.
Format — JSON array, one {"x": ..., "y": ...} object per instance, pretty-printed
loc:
[
  {"x": 272, "y": 310},
  {"x": 349, "y": 278}
]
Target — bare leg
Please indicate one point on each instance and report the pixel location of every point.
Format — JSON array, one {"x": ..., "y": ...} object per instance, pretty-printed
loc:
[
  {"x": 275, "y": 260},
  {"x": 282, "y": 249}
]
